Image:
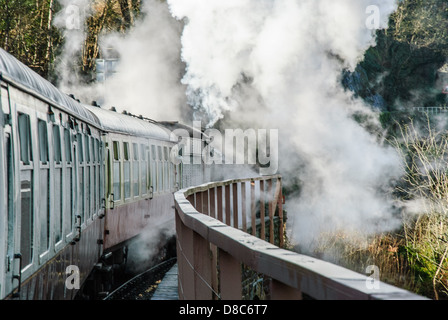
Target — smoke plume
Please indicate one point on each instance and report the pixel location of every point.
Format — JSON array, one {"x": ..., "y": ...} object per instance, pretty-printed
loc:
[
  {"x": 271, "y": 64},
  {"x": 278, "y": 64},
  {"x": 146, "y": 79},
  {"x": 149, "y": 71}
]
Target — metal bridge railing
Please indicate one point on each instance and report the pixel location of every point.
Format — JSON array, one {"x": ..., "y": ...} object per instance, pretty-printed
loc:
[{"x": 223, "y": 229}]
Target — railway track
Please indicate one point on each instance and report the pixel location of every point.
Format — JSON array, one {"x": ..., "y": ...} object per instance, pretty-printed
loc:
[{"x": 143, "y": 285}]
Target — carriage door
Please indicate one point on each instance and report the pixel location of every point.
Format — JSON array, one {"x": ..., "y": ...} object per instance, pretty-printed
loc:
[
  {"x": 10, "y": 282},
  {"x": 76, "y": 190}
]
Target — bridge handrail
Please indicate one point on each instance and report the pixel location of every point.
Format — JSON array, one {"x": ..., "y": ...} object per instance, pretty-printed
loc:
[{"x": 292, "y": 273}]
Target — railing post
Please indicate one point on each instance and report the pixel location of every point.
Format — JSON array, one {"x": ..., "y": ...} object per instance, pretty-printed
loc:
[
  {"x": 229, "y": 276},
  {"x": 281, "y": 291},
  {"x": 198, "y": 203},
  {"x": 180, "y": 258},
  {"x": 185, "y": 260},
  {"x": 235, "y": 204},
  {"x": 271, "y": 212},
  {"x": 219, "y": 191},
  {"x": 262, "y": 211},
  {"x": 215, "y": 280},
  {"x": 212, "y": 209},
  {"x": 243, "y": 206},
  {"x": 252, "y": 208},
  {"x": 227, "y": 205},
  {"x": 191, "y": 199},
  {"x": 203, "y": 268},
  {"x": 280, "y": 213},
  {"x": 205, "y": 207}
]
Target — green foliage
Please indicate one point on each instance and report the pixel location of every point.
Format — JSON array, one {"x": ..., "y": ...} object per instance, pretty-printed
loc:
[
  {"x": 424, "y": 189},
  {"x": 403, "y": 66},
  {"x": 27, "y": 33},
  {"x": 422, "y": 23}
]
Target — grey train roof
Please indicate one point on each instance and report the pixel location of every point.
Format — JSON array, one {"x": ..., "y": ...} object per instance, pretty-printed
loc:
[
  {"x": 116, "y": 122},
  {"x": 16, "y": 72},
  {"x": 13, "y": 70}
]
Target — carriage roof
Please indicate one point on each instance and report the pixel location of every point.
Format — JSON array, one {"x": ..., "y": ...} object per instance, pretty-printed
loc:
[
  {"x": 126, "y": 124},
  {"x": 17, "y": 73},
  {"x": 20, "y": 75}
]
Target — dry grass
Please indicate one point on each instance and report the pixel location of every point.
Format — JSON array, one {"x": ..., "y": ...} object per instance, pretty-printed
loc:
[{"x": 415, "y": 257}]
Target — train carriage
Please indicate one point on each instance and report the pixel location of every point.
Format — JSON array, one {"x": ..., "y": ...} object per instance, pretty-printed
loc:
[
  {"x": 140, "y": 178},
  {"x": 77, "y": 183},
  {"x": 51, "y": 160}
]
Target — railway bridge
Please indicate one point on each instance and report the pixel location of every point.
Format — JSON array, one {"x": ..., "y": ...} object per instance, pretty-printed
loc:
[{"x": 230, "y": 246}]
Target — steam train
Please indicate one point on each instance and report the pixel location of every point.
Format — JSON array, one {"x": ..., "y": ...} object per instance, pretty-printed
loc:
[{"x": 77, "y": 183}]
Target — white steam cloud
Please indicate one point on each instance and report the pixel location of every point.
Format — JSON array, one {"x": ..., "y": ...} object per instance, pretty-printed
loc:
[
  {"x": 71, "y": 20},
  {"x": 148, "y": 75},
  {"x": 270, "y": 64},
  {"x": 277, "y": 64}
]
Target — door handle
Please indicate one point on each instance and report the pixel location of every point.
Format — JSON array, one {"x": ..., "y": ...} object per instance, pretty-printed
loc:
[
  {"x": 18, "y": 276},
  {"x": 151, "y": 192},
  {"x": 78, "y": 230},
  {"x": 103, "y": 208},
  {"x": 111, "y": 201}
]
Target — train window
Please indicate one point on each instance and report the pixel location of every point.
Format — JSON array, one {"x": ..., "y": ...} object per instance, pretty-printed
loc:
[
  {"x": 165, "y": 168},
  {"x": 117, "y": 174},
  {"x": 57, "y": 144},
  {"x": 88, "y": 180},
  {"x": 67, "y": 145},
  {"x": 127, "y": 170},
  {"x": 171, "y": 171},
  {"x": 80, "y": 149},
  {"x": 116, "y": 151},
  {"x": 153, "y": 152},
  {"x": 26, "y": 155},
  {"x": 144, "y": 169},
  {"x": 153, "y": 169},
  {"x": 44, "y": 186},
  {"x": 100, "y": 171},
  {"x": 94, "y": 146},
  {"x": 135, "y": 151},
  {"x": 10, "y": 197},
  {"x": 69, "y": 191},
  {"x": 26, "y": 190},
  {"x": 26, "y": 216},
  {"x": 58, "y": 184},
  {"x": 159, "y": 151},
  {"x": 87, "y": 140},
  {"x": 81, "y": 180},
  {"x": 159, "y": 169},
  {"x": 58, "y": 209},
  {"x": 94, "y": 150},
  {"x": 5, "y": 100},
  {"x": 43, "y": 141},
  {"x": 126, "y": 150},
  {"x": 135, "y": 170},
  {"x": 88, "y": 190}
]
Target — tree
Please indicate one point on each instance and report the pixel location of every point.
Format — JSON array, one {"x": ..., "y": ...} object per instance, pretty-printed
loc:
[{"x": 26, "y": 32}]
